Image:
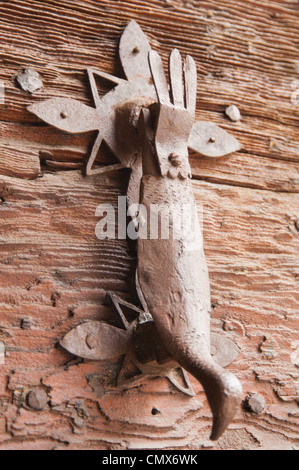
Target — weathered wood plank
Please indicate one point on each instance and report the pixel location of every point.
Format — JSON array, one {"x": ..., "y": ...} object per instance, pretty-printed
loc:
[
  {"x": 54, "y": 274},
  {"x": 254, "y": 167}
]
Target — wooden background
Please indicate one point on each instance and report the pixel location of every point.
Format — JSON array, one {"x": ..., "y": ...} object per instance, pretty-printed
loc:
[{"x": 54, "y": 272}]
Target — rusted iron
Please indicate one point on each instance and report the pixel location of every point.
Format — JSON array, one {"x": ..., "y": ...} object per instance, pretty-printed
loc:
[
  {"x": 176, "y": 291},
  {"x": 150, "y": 127},
  {"x": 99, "y": 341},
  {"x": 210, "y": 140},
  {"x": 139, "y": 341},
  {"x": 115, "y": 115}
]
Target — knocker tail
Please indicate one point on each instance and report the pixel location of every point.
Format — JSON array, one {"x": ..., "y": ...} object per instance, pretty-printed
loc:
[
  {"x": 222, "y": 388},
  {"x": 224, "y": 401}
]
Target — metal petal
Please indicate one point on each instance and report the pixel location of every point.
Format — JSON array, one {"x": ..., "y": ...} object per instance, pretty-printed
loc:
[
  {"x": 97, "y": 341},
  {"x": 67, "y": 115},
  {"x": 176, "y": 78},
  {"x": 179, "y": 378},
  {"x": 159, "y": 77},
  {"x": 210, "y": 140},
  {"x": 190, "y": 84},
  {"x": 133, "y": 51}
]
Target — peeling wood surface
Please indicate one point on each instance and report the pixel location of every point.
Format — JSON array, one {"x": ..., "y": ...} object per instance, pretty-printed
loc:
[{"x": 54, "y": 272}]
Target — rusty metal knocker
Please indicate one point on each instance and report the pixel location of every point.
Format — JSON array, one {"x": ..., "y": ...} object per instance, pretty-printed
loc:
[{"x": 150, "y": 127}]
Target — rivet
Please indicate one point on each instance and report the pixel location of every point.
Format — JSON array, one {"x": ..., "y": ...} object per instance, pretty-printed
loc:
[
  {"x": 136, "y": 50},
  {"x": 255, "y": 403},
  {"x": 233, "y": 113},
  {"x": 64, "y": 114},
  {"x": 37, "y": 399},
  {"x": 297, "y": 224},
  {"x": 175, "y": 159},
  {"x": 91, "y": 341},
  {"x": 212, "y": 140},
  {"x": 30, "y": 80}
]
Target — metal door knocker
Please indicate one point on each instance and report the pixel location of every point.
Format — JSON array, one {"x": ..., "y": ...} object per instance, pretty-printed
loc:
[{"x": 149, "y": 125}]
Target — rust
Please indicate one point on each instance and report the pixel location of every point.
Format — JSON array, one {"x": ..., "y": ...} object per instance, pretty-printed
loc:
[{"x": 108, "y": 118}]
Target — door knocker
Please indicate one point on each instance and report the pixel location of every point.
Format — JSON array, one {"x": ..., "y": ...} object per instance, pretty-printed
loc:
[{"x": 150, "y": 125}]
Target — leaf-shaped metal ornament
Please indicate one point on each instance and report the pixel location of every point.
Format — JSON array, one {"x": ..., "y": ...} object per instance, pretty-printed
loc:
[
  {"x": 67, "y": 115},
  {"x": 210, "y": 140},
  {"x": 133, "y": 51},
  {"x": 97, "y": 341}
]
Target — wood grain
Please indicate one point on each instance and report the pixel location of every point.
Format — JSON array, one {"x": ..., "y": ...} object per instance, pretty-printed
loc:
[{"x": 54, "y": 272}]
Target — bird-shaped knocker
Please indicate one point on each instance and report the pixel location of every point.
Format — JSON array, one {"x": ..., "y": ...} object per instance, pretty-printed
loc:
[{"x": 150, "y": 126}]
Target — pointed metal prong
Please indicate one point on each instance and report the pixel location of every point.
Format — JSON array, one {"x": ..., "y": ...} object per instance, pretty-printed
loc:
[
  {"x": 107, "y": 76},
  {"x": 93, "y": 155},
  {"x": 133, "y": 51},
  {"x": 176, "y": 78},
  {"x": 190, "y": 84},
  {"x": 94, "y": 89},
  {"x": 159, "y": 77},
  {"x": 118, "y": 303},
  {"x": 210, "y": 140},
  {"x": 184, "y": 387},
  {"x": 105, "y": 169},
  {"x": 130, "y": 372}
]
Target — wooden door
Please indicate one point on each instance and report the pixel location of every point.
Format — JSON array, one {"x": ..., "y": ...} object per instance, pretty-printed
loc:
[{"x": 54, "y": 272}]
